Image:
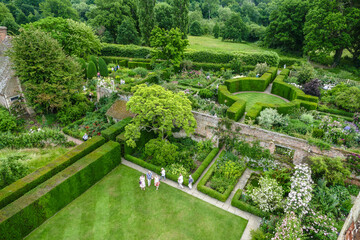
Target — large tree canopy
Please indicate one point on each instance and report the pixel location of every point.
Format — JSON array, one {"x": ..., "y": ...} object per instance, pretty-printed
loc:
[
  {"x": 168, "y": 45},
  {"x": 50, "y": 77},
  {"x": 7, "y": 19},
  {"x": 326, "y": 30},
  {"x": 235, "y": 29},
  {"x": 286, "y": 25},
  {"x": 76, "y": 38},
  {"x": 180, "y": 15},
  {"x": 58, "y": 8},
  {"x": 146, "y": 19},
  {"x": 158, "y": 110},
  {"x": 163, "y": 15}
]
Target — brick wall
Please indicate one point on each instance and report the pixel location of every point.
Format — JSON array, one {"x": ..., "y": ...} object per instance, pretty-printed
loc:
[{"x": 3, "y": 33}]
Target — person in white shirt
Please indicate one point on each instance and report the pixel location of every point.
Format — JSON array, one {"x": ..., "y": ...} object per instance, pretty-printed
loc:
[
  {"x": 162, "y": 174},
  {"x": 157, "y": 182},
  {"x": 181, "y": 180}
]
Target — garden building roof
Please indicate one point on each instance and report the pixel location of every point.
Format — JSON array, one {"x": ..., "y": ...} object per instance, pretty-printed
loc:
[{"x": 118, "y": 111}]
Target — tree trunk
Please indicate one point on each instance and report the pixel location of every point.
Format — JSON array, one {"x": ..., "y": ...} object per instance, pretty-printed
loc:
[{"x": 337, "y": 56}]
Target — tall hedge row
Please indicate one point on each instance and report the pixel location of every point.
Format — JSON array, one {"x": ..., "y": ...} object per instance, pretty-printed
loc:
[
  {"x": 132, "y": 51},
  {"x": 237, "y": 110},
  {"x": 111, "y": 132},
  {"x": 25, "y": 214},
  {"x": 25, "y": 184}
]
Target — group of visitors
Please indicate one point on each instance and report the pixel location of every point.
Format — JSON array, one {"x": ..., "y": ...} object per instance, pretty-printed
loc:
[
  {"x": 150, "y": 177},
  {"x": 114, "y": 69}
]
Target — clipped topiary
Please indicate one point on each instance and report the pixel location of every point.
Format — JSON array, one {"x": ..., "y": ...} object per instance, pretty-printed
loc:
[
  {"x": 91, "y": 70},
  {"x": 103, "y": 68},
  {"x": 95, "y": 61}
]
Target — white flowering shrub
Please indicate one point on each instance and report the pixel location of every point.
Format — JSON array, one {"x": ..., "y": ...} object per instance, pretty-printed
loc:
[
  {"x": 300, "y": 193},
  {"x": 289, "y": 228},
  {"x": 268, "y": 196},
  {"x": 262, "y": 163}
]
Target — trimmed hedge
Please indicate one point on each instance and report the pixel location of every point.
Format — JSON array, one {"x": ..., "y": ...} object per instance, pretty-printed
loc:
[
  {"x": 212, "y": 193},
  {"x": 225, "y": 97},
  {"x": 323, "y": 108},
  {"x": 144, "y": 138},
  {"x": 237, "y": 110},
  {"x": 22, "y": 216},
  {"x": 133, "y": 51},
  {"x": 140, "y": 64},
  {"x": 157, "y": 169},
  {"x": 246, "y": 84},
  {"x": 114, "y": 130},
  {"x": 210, "y": 66},
  {"x": 25, "y": 184},
  {"x": 283, "y": 108},
  {"x": 130, "y": 51},
  {"x": 236, "y": 202},
  {"x": 289, "y": 61}
]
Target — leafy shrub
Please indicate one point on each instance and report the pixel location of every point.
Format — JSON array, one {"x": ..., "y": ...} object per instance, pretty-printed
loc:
[
  {"x": 176, "y": 169},
  {"x": 318, "y": 133},
  {"x": 332, "y": 169},
  {"x": 140, "y": 71},
  {"x": 268, "y": 196},
  {"x": 305, "y": 73},
  {"x": 292, "y": 80},
  {"x": 206, "y": 93},
  {"x": 11, "y": 169},
  {"x": 229, "y": 166},
  {"x": 349, "y": 99},
  {"x": 161, "y": 152},
  {"x": 103, "y": 68},
  {"x": 312, "y": 88},
  {"x": 227, "y": 74},
  {"x": 257, "y": 234},
  {"x": 297, "y": 126},
  {"x": 220, "y": 184},
  {"x": 195, "y": 29},
  {"x": 270, "y": 117},
  {"x": 91, "y": 70},
  {"x": 236, "y": 64},
  {"x": 261, "y": 68},
  {"x": 7, "y": 121},
  {"x": 307, "y": 118},
  {"x": 353, "y": 163},
  {"x": 289, "y": 228}
]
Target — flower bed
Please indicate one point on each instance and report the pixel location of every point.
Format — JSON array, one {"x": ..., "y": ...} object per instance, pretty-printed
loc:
[{"x": 238, "y": 202}]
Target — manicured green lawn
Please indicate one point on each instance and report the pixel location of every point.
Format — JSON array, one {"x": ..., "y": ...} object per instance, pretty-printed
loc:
[
  {"x": 253, "y": 97},
  {"x": 116, "y": 208}
]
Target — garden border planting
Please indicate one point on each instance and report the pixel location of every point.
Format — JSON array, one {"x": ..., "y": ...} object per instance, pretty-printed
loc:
[
  {"x": 157, "y": 169},
  {"x": 25, "y": 184},
  {"x": 25, "y": 214},
  {"x": 236, "y": 202}
]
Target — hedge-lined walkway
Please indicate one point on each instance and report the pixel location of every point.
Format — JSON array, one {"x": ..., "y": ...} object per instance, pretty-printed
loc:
[{"x": 253, "y": 221}]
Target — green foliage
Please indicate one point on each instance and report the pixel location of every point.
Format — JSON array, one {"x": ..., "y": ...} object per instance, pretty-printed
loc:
[
  {"x": 236, "y": 110},
  {"x": 195, "y": 29},
  {"x": 114, "y": 130},
  {"x": 160, "y": 110},
  {"x": 19, "y": 188},
  {"x": 145, "y": 12},
  {"x": 11, "y": 169},
  {"x": 7, "y": 19},
  {"x": 52, "y": 78},
  {"x": 54, "y": 194},
  {"x": 168, "y": 45},
  {"x": 318, "y": 133},
  {"x": 91, "y": 70},
  {"x": 238, "y": 203},
  {"x": 235, "y": 29},
  {"x": 324, "y": 108},
  {"x": 270, "y": 117},
  {"x": 58, "y": 8},
  {"x": 289, "y": 228},
  {"x": 319, "y": 143},
  {"x": 162, "y": 152},
  {"x": 261, "y": 68},
  {"x": 127, "y": 33},
  {"x": 181, "y": 15},
  {"x": 216, "y": 31},
  {"x": 305, "y": 73},
  {"x": 332, "y": 169},
  {"x": 141, "y": 71},
  {"x": 103, "y": 68},
  {"x": 307, "y": 118},
  {"x": 176, "y": 169},
  {"x": 78, "y": 107},
  {"x": 286, "y": 25},
  {"x": 163, "y": 15},
  {"x": 7, "y": 121},
  {"x": 349, "y": 99},
  {"x": 206, "y": 93},
  {"x": 77, "y": 39}
]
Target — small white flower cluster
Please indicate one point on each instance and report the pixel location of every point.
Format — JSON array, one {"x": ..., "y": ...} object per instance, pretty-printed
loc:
[
  {"x": 294, "y": 84},
  {"x": 262, "y": 163},
  {"x": 268, "y": 196},
  {"x": 328, "y": 86},
  {"x": 33, "y": 131},
  {"x": 301, "y": 188}
]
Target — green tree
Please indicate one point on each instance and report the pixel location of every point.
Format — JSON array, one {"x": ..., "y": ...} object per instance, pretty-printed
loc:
[
  {"x": 158, "y": 110},
  {"x": 349, "y": 99},
  {"x": 76, "y": 38},
  {"x": 127, "y": 33},
  {"x": 49, "y": 77},
  {"x": 209, "y": 8},
  {"x": 58, "y": 8},
  {"x": 286, "y": 25},
  {"x": 7, "y": 19},
  {"x": 91, "y": 70},
  {"x": 103, "y": 68},
  {"x": 235, "y": 29},
  {"x": 353, "y": 22},
  {"x": 146, "y": 19},
  {"x": 109, "y": 14},
  {"x": 163, "y": 15},
  {"x": 195, "y": 29},
  {"x": 181, "y": 15},
  {"x": 326, "y": 30},
  {"x": 216, "y": 30},
  {"x": 168, "y": 45}
]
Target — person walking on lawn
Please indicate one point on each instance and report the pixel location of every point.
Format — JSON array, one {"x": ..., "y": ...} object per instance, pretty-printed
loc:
[
  {"x": 149, "y": 177},
  {"x": 142, "y": 182}
]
